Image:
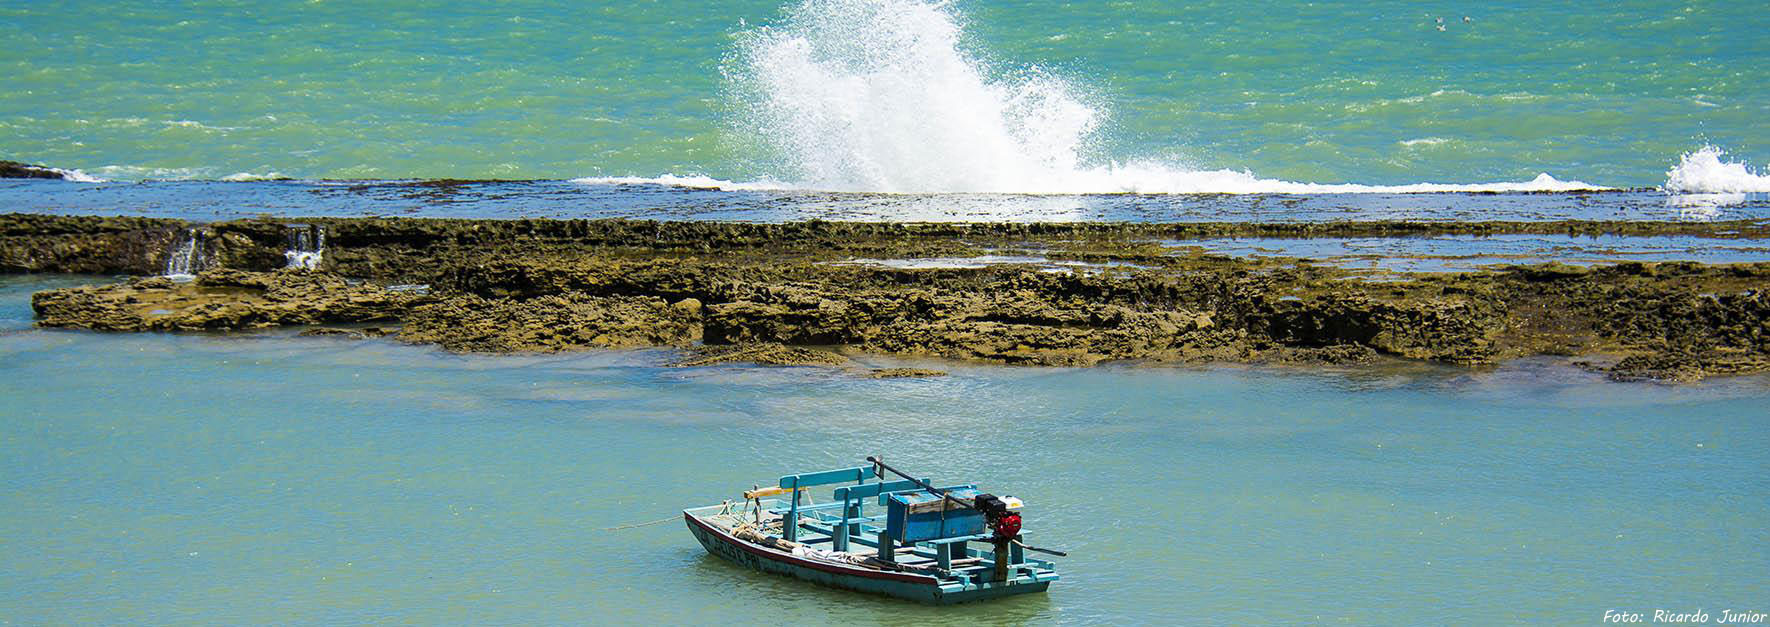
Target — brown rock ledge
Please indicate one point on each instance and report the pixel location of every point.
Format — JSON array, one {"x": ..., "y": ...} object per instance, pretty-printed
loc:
[
  {"x": 539, "y": 285},
  {"x": 220, "y": 300}
]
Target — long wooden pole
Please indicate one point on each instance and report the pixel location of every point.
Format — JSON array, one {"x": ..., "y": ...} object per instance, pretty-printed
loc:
[
  {"x": 937, "y": 491},
  {"x": 880, "y": 463}
]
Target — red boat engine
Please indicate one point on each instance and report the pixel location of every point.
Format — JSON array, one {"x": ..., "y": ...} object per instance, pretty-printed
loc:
[{"x": 1001, "y": 520}]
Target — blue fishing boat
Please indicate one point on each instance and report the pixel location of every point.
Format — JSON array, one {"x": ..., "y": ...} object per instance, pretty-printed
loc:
[{"x": 905, "y": 538}]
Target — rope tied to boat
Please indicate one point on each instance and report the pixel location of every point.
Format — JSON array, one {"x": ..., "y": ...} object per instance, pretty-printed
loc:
[
  {"x": 725, "y": 509},
  {"x": 643, "y": 524}
]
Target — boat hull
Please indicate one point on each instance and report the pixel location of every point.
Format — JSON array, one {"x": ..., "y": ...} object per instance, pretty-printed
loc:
[{"x": 909, "y": 586}]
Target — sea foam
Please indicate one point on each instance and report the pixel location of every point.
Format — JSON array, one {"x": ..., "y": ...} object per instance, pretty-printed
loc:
[
  {"x": 691, "y": 181},
  {"x": 1703, "y": 172},
  {"x": 883, "y": 96},
  {"x": 254, "y": 176},
  {"x": 77, "y": 176}
]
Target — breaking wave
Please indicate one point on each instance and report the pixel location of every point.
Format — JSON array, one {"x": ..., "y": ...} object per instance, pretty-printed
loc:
[
  {"x": 77, "y": 176},
  {"x": 1128, "y": 180},
  {"x": 685, "y": 181},
  {"x": 883, "y": 96},
  {"x": 1703, "y": 172},
  {"x": 254, "y": 176}
]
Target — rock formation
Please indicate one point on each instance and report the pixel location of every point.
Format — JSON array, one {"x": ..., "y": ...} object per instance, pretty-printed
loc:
[
  {"x": 1129, "y": 293},
  {"x": 16, "y": 170},
  {"x": 221, "y": 300}
]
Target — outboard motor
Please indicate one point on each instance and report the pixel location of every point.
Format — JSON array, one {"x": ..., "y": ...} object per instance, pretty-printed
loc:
[{"x": 999, "y": 514}]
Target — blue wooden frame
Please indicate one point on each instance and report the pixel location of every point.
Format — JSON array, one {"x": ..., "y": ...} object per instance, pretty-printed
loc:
[
  {"x": 852, "y": 501},
  {"x": 857, "y": 474},
  {"x": 854, "y": 498}
]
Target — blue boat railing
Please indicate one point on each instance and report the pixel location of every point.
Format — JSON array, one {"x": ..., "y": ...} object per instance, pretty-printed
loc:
[
  {"x": 850, "y": 502},
  {"x": 857, "y": 474}
]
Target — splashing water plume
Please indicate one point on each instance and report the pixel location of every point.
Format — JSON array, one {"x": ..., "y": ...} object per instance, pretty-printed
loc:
[
  {"x": 881, "y": 96},
  {"x": 1703, "y": 172},
  {"x": 878, "y": 95}
]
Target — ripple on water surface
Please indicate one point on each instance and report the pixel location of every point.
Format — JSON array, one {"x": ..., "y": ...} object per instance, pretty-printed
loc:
[
  {"x": 214, "y": 200},
  {"x": 328, "y": 480}
]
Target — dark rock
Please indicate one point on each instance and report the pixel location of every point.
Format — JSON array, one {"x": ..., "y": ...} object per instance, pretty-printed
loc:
[
  {"x": 901, "y": 373},
  {"x": 16, "y": 170},
  {"x": 1552, "y": 271},
  {"x": 1339, "y": 354},
  {"x": 86, "y": 244},
  {"x": 762, "y": 354},
  {"x": 331, "y": 332}
]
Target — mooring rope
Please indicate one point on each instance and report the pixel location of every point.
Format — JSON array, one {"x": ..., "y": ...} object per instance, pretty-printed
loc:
[{"x": 643, "y": 524}]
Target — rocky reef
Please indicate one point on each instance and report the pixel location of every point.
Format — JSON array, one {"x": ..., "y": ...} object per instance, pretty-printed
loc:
[
  {"x": 16, "y": 170},
  {"x": 1069, "y": 294},
  {"x": 222, "y": 300},
  {"x": 553, "y": 322},
  {"x": 85, "y": 245}
]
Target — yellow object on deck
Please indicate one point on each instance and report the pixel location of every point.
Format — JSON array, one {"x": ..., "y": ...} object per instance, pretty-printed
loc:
[{"x": 762, "y": 492}]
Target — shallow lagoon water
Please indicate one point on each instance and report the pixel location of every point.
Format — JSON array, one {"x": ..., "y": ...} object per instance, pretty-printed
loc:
[{"x": 270, "y": 478}]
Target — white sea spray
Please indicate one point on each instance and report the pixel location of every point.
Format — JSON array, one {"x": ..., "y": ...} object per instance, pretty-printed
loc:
[
  {"x": 1703, "y": 171},
  {"x": 886, "y": 96}
]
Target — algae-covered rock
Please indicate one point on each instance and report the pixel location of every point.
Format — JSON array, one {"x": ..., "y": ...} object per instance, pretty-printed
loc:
[
  {"x": 350, "y": 334},
  {"x": 549, "y": 285},
  {"x": 1338, "y": 354},
  {"x": 904, "y": 373},
  {"x": 86, "y": 244},
  {"x": 1552, "y": 271},
  {"x": 569, "y": 321},
  {"x": 761, "y": 354},
  {"x": 689, "y": 306},
  {"x": 220, "y": 300}
]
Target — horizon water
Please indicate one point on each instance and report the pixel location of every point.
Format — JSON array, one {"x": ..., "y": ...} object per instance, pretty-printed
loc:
[
  {"x": 265, "y": 478},
  {"x": 902, "y": 95}
]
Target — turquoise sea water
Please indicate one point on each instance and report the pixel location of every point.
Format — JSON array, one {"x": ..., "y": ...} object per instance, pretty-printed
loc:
[
  {"x": 1369, "y": 93},
  {"x": 272, "y": 479}
]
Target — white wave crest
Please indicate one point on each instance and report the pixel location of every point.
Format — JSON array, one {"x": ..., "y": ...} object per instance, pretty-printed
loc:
[
  {"x": 251, "y": 176},
  {"x": 77, "y": 176},
  {"x": 1162, "y": 179},
  {"x": 198, "y": 125},
  {"x": 1703, "y": 171},
  {"x": 692, "y": 181},
  {"x": 882, "y": 96},
  {"x": 144, "y": 173},
  {"x": 1142, "y": 180}
]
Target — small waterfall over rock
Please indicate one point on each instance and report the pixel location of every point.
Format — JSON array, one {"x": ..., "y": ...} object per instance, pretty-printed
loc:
[
  {"x": 187, "y": 257},
  {"x": 307, "y": 243}
]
